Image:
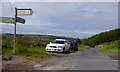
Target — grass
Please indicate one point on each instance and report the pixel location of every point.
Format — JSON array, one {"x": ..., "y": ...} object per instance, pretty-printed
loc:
[
  {"x": 29, "y": 53},
  {"x": 111, "y": 47},
  {"x": 83, "y": 47}
]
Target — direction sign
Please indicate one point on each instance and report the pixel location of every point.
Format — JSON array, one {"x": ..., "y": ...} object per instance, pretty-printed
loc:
[
  {"x": 11, "y": 20},
  {"x": 24, "y": 11},
  {"x": 6, "y": 20},
  {"x": 20, "y": 20}
]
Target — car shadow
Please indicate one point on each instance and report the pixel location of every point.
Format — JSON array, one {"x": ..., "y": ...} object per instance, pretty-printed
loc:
[{"x": 64, "y": 52}]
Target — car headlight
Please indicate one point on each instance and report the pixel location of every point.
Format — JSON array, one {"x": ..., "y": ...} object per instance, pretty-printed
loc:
[
  {"x": 60, "y": 46},
  {"x": 47, "y": 45}
]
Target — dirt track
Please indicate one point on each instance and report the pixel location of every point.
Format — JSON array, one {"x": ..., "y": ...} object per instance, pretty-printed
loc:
[
  {"x": 20, "y": 63},
  {"x": 17, "y": 63},
  {"x": 91, "y": 59}
]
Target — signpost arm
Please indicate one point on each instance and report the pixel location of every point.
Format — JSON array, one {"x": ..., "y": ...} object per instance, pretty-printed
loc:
[{"x": 14, "y": 48}]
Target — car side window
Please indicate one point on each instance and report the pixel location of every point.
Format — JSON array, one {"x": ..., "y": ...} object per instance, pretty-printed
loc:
[
  {"x": 65, "y": 42},
  {"x": 68, "y": 42}
]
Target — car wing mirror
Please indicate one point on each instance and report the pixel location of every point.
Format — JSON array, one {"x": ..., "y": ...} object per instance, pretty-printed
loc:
[{"x": 66, "y": 43}]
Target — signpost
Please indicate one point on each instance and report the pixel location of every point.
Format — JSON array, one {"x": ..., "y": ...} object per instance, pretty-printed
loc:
[{"x": 17, "y": 19}]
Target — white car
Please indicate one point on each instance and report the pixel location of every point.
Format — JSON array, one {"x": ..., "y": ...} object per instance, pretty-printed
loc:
[{"x": 58, "y": 45}]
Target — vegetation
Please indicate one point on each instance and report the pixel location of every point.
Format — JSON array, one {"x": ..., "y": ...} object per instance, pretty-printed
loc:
[
  {"x": 110, "y": 47},
  {"x": 28, "y": 46},
  {"x": 29, "y": 53},
  {"x": 105, "y": 41},
  {"x": 25, "y": 40},
  {"x": 31, "y": 47},
  {"x": 103, "y": 37},
  {"x": 83, "y": 47},
  {"x": 78, "y": 41}
]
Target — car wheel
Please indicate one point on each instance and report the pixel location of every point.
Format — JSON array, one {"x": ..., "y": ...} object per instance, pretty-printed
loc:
[
  {"x": 69, "y": 50},
  {"x": 76, "y": 49},
  {"x": 63, "y": 49}
]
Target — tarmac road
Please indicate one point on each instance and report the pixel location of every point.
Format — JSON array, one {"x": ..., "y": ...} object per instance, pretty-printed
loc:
[{"x": 91, "y": 59}]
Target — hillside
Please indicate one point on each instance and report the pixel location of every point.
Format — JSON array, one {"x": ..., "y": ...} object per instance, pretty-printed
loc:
[{"x": 103, "y": 37}]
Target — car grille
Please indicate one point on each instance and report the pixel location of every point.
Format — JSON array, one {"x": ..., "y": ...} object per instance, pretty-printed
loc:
[{"x": 53, "y": 46}]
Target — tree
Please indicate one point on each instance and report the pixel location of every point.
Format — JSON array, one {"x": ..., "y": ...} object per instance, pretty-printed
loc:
[
  {"x": 103, "y": 37},
  {"x": 78, "y": 41}
]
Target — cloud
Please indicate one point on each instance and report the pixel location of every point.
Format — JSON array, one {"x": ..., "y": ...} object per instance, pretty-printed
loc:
[
  {"x": 74, "y": 19},
  {"x": 60, "y": 0}
]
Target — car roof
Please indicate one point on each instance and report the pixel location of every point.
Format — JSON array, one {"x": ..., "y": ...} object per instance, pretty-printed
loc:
[{"x": 61, "y": 39}]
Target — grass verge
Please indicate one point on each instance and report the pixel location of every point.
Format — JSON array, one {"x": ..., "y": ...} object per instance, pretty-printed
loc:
[
  {"x": 83, "y": 47},
  {"x": 29, "y": 53},
  {"x": 111, "y": 47}
]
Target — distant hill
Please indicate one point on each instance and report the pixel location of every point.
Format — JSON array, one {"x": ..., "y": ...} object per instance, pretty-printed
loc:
[
  {"x": 103, "y": 37},
  {"x": 29, "y": 40},
  {"x": 51, "y": 37}
]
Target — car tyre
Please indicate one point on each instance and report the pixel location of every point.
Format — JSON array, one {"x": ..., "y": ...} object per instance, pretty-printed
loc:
[
  {"x": 69, "y": 50},
  {"x": 63, "y": 49}
]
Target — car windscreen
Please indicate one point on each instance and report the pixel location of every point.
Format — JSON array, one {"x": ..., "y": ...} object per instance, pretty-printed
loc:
[{"x": 58, "y": 42}]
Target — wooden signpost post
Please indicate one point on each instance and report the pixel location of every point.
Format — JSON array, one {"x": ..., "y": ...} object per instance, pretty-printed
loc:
[{"x": 19, "y": 12}]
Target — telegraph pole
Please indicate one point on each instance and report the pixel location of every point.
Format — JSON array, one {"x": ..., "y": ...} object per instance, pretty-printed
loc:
[{"x": 14, "y": 47}]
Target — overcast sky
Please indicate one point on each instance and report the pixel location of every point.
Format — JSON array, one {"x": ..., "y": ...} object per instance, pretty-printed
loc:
[{"x": 73, "y": 19}]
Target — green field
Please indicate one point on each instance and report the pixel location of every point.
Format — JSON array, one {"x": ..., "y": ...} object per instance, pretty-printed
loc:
[{"x": 110, "y": 47}]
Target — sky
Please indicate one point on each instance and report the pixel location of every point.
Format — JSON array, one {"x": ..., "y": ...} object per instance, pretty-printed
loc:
[{"x": 72, "y": 19}]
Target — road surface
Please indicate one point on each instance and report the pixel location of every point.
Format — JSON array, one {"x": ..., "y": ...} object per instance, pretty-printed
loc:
[{"x": 91, "y": 59}]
